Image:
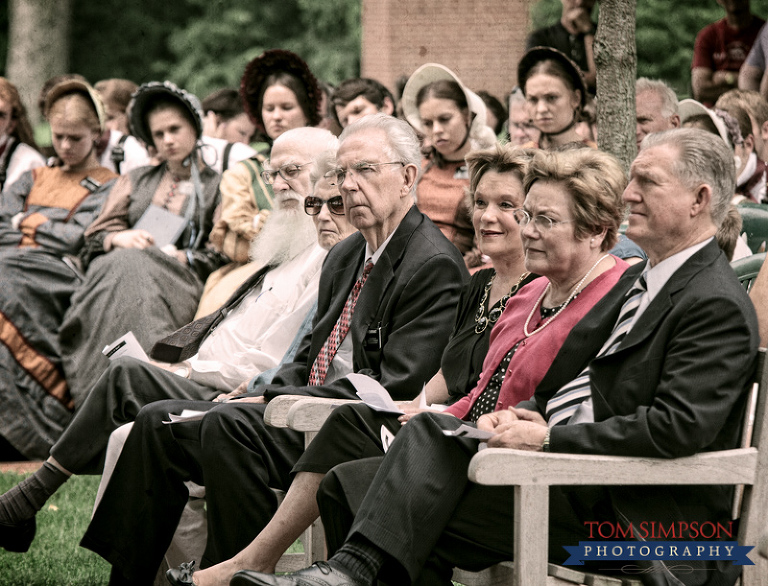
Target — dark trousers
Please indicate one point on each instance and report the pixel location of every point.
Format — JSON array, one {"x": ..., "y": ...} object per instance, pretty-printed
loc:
[
  {"x": 231, "y": 451},
  {"x": 351, "y": 432},
  {"x": 125, "y": 387},
  {"x": 417, "y": 505}
]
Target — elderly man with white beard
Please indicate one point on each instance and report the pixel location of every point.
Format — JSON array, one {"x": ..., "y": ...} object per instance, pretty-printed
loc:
[{"x": 211, "y": 355}]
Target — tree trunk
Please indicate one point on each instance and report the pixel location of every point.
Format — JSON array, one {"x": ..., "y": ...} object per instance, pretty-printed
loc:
[
  {"x": 38, "y": 46},
  {"x": 616, "y": 64}
]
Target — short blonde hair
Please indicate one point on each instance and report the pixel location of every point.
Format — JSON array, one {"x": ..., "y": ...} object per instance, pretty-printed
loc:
[
  {"x": 594, "y": 179},
  {"x": 506, "y": 158}
]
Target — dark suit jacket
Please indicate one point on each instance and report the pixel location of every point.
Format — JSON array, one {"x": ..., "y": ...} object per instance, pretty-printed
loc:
[
  {"x": 402, "y": 319},
  {"x": 675, "y": 387}
]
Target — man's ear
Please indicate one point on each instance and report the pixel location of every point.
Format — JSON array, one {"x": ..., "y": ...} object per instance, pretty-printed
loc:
[
  {"x": 411, "y": 172},
  {"x": 388, "y": 107},
  {"x": 703, "y": 199},
  {"x": 674, "y": 121}
]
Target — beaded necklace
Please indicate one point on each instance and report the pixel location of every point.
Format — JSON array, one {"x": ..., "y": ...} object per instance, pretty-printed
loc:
[
  {"x": 481, "y": 322},
  {"x": 575, "y": 290},
  {"x": 175, "y": 180}
]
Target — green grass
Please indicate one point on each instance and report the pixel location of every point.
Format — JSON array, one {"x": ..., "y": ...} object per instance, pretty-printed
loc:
[{"x": 55, "y": 557}]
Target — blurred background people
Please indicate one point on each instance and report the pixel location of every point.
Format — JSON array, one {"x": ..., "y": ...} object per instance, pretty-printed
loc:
[
  {"x": 18, "y": 150},
  {"x": 453, "y": 120},
  {"x": 224, "y": 117},
  {"x": 720, "y": 50},
  {"x": 279, "y": 93},
  {"x": 556, "y": 95}
]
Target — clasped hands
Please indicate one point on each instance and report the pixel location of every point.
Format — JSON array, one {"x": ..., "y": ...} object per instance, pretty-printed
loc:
[{"x": 514, "y": 428}]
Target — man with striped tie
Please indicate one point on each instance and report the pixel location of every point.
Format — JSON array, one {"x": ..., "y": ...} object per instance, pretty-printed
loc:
[
  {"x": 386, "y": 304},
  {"x": 658, "y": 368}
]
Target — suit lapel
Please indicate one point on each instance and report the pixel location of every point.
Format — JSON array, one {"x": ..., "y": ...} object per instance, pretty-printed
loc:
[
  {"x": 662, "y": 303},
  {"x": 370, "y": 300}
]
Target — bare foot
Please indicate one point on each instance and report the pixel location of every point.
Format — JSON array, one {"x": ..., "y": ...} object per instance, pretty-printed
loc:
[{"x": 221, "y": 574}]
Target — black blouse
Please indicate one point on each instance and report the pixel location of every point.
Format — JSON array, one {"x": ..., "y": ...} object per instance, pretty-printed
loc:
[{"x": 463, "y": 357}]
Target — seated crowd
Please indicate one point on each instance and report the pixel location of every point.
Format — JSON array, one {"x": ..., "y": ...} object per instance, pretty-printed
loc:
[{"x": 488, "y": 268}]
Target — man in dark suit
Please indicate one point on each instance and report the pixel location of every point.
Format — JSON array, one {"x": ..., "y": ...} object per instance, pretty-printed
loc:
[
  {"x": 398, "y": 327},
  {"x": 669, "y": 382}
]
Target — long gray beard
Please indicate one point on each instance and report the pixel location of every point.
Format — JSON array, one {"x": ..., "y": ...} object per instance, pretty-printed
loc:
[{"x": 285, "y": 235}]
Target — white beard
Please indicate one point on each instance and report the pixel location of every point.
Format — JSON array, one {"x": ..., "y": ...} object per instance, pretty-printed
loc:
[{"x": 285, "y": 235}]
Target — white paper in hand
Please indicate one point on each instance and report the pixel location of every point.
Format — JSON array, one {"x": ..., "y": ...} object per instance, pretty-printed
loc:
[
  {"x": 127, "y": 345},
  {"x": 422, "y": 402},
  {"x": 373, "y": 394}
]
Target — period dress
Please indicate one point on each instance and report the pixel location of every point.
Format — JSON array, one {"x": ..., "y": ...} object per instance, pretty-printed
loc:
[
  {"x": 43, "y": 217},
  {"x": 144, "y": 291}
]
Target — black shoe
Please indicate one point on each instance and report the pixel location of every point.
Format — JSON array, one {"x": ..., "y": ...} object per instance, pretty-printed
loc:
[
  {"x": 18, "y": 537},
  {"x": 318, "y": 574},
  {"x": 182, "y": 576}
]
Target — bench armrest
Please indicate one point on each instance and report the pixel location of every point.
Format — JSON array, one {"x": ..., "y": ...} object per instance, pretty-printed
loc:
[{"x": 499, "y": 466}]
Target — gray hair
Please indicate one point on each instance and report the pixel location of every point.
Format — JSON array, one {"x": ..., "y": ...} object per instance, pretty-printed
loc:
[
  {"x": 402, "y": 143},
  {"x": 661, "y": 89},
  {"x": 313, "y": 141},
  {"x": 703, "y": 158}
]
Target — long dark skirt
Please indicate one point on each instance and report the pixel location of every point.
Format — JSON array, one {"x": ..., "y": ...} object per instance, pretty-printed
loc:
[
  {"x": 143, "y": 291},
  {"x": 35, "y": 403}
]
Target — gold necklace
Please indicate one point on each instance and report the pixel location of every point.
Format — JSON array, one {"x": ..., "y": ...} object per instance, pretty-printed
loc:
[
  {"x": 481, "y": 322},
  {"x": 575, "y": 290}
]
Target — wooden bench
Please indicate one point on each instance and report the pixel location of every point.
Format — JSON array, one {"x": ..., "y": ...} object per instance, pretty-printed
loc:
[{"x": 532, "y": 473}]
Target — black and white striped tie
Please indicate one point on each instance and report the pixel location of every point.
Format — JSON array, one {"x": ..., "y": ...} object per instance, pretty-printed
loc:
[{"x": 561, "y": 407}]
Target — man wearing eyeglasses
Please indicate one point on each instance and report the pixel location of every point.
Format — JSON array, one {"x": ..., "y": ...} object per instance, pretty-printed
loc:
[{"x": 386, "y": 301}]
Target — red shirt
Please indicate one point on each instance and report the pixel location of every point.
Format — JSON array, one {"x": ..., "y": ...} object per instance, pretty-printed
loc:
[{"x": 721, "y": 48}]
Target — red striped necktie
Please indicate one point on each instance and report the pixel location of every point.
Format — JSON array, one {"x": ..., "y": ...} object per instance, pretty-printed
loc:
[{"x": 328, "y": 351}]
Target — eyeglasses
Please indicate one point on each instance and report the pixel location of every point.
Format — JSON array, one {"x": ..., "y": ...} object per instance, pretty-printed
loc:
[
  {"x": 542, "y": 223},
  {"x": 314, "y": 205},
  {"x": 361, "y": 170},
  {"x": 287, "y": 172}
]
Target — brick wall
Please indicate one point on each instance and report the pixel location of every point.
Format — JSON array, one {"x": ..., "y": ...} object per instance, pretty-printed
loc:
[{"x": 481, "y": 40}]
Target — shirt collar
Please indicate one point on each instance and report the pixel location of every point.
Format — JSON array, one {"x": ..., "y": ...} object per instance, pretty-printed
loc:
[
  {"x": 374, "y": 256},
  {"x": 657, "y": 276}
]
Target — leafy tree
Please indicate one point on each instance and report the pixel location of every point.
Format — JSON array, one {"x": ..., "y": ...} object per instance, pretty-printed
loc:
[
  {"x": 665, "y": 34},
  {"x": 126, "y": 39},
  {"x": 203, "y": 45}
]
